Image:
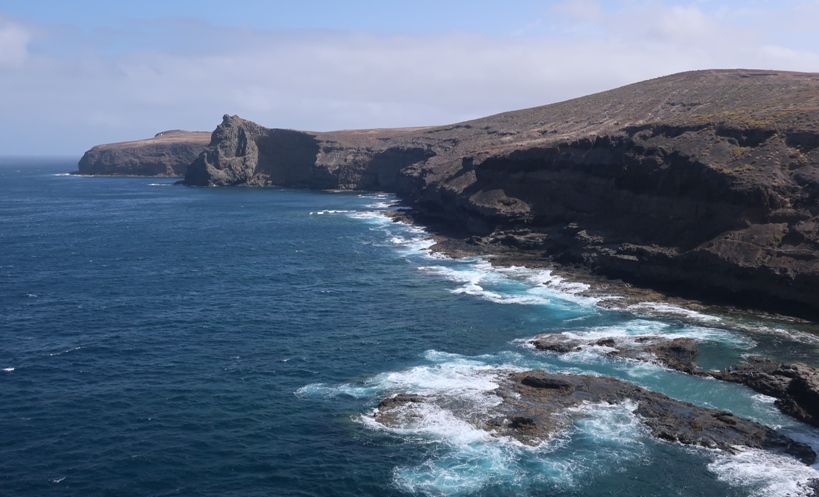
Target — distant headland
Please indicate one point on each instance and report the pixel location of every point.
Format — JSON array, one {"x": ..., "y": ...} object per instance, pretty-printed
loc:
[
  {"x": 705, "y": 183},
  {"x": 166, "y": 154}
]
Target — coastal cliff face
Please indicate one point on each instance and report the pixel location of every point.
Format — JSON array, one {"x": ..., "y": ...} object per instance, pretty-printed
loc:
[
  {"x": 704, "y": 182},
  {"x": 167, "y": 154}
]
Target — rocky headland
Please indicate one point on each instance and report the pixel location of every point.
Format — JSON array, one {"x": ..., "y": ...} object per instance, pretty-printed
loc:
[
  {"x": 166, "y": 154},
  {"x": 704, "y": 184}
]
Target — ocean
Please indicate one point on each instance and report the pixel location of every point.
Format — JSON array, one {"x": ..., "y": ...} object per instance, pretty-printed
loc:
[{"x": 164, "y": 340}]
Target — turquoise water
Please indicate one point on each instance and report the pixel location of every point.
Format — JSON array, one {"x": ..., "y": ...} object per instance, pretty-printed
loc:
[{"x": 163, "y": 340}]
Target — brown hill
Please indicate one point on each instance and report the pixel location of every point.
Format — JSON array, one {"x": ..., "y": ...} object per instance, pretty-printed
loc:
[
  {"x": 167, "y": 154},
  {"x": 704, "y": 182}
]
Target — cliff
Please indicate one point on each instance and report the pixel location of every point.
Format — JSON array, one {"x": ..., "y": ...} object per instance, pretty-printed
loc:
[
  {"x": 703, "y": 182},
  {"x": 167, "y": 154}
]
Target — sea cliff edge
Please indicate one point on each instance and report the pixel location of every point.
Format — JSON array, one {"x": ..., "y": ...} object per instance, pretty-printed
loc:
[{"x": 703, "y": 183}]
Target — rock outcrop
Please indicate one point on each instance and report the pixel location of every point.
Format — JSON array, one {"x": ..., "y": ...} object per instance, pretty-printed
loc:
[
  {"x": 675, "y": 353},
  {"x": 167, "y": 154},
  {"x": 703, "y": 183},
  {"x": 535, "y": 405},
  {"x": 795, "y": 386}
]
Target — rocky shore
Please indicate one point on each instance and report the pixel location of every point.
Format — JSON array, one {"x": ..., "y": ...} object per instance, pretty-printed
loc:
[
  {"x": 702, "y": 184},
  {"x": 535, "y": 406},
  {"x": 795, "y": 386}
]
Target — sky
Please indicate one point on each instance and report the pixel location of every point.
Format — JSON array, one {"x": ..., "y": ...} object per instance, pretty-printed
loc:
[{"x": 81, "y": 73}]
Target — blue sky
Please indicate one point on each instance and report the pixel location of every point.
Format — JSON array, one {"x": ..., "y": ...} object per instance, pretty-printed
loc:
[{"x": 75, "y": 74}]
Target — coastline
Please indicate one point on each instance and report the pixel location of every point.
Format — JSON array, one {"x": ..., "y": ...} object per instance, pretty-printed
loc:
[
  {"x": 162, "y": 176},
  {"x": 611, "y": 293}
]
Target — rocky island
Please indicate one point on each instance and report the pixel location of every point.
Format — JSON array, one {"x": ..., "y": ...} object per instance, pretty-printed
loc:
[{"x": 705, "y": 183}]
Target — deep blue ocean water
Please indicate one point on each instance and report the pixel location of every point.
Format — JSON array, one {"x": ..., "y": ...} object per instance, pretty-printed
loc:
[{"x": 164, "y": 340}]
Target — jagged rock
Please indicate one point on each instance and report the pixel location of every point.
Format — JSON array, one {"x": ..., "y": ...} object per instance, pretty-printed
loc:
[
  {"x": 677, "y": 353},
  {"x": 795, "y": 386},
  {"x": 547, "y": 382},
  {"x": 167, "y": 154},
  {"x": 535, "y": 405},
  {"x": 811, "y": 487},
  {"x": 399, "y": 400}
]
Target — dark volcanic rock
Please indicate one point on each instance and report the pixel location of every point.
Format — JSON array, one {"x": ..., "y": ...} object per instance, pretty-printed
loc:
[
  {"x": 703, "y": 183},
  {"x": 795, "y": 386},
  {"x": 167, "y": 154},
  {"x": 244, "y": 153},
  {"x": 811, "y": 487},
  {"x": 536, "y": 405},
  {"x": 677, "y": 353}
]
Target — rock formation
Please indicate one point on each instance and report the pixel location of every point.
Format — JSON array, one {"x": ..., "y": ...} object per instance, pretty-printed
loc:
[
  {"x": 536, "y": 405},
  {"x": 795, "y": 386},
  {"x": 167, "y": 154},
  {"x": 704, "y": 183},
  {"x": 676, "y": 353}
]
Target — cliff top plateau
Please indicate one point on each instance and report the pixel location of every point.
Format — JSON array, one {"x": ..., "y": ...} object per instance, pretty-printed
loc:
[{"x": 166, "y": 154}]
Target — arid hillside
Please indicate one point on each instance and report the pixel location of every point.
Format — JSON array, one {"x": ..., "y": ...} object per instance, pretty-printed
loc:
[{"x": 704, "y": 182}]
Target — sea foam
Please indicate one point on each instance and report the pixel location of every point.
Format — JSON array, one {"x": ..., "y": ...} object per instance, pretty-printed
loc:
[
  {"x": 511, "y": 285},
  {"x": 765, "y": 474}
]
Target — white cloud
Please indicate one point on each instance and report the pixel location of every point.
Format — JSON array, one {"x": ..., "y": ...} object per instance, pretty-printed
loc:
[
  {"x": 80, "y": 91},
  {"x": 682, "y": 24},
  {"x": 14, "y": 39}
]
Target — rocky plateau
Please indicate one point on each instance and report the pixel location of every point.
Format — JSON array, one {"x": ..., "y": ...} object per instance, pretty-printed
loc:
[{"x": 166, "y": 154}]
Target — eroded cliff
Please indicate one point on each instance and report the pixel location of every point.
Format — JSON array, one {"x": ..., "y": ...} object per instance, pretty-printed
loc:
[
  {"x": 167, "y": 154},
  {"x": 704, "y": 182}
]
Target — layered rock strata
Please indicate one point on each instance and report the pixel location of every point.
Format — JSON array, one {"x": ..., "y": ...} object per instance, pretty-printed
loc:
[
  {"x": 166, "y": 154},
  {"x": 703, "y": 183}
]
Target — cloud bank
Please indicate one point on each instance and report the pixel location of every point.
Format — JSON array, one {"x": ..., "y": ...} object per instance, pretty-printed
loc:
[{"x": 66, "y": 89}]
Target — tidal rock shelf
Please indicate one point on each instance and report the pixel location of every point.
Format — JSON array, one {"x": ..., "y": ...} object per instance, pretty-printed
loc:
[
  {"x": 535, "y": 406},
  {"x": 795, "y": 386}
]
